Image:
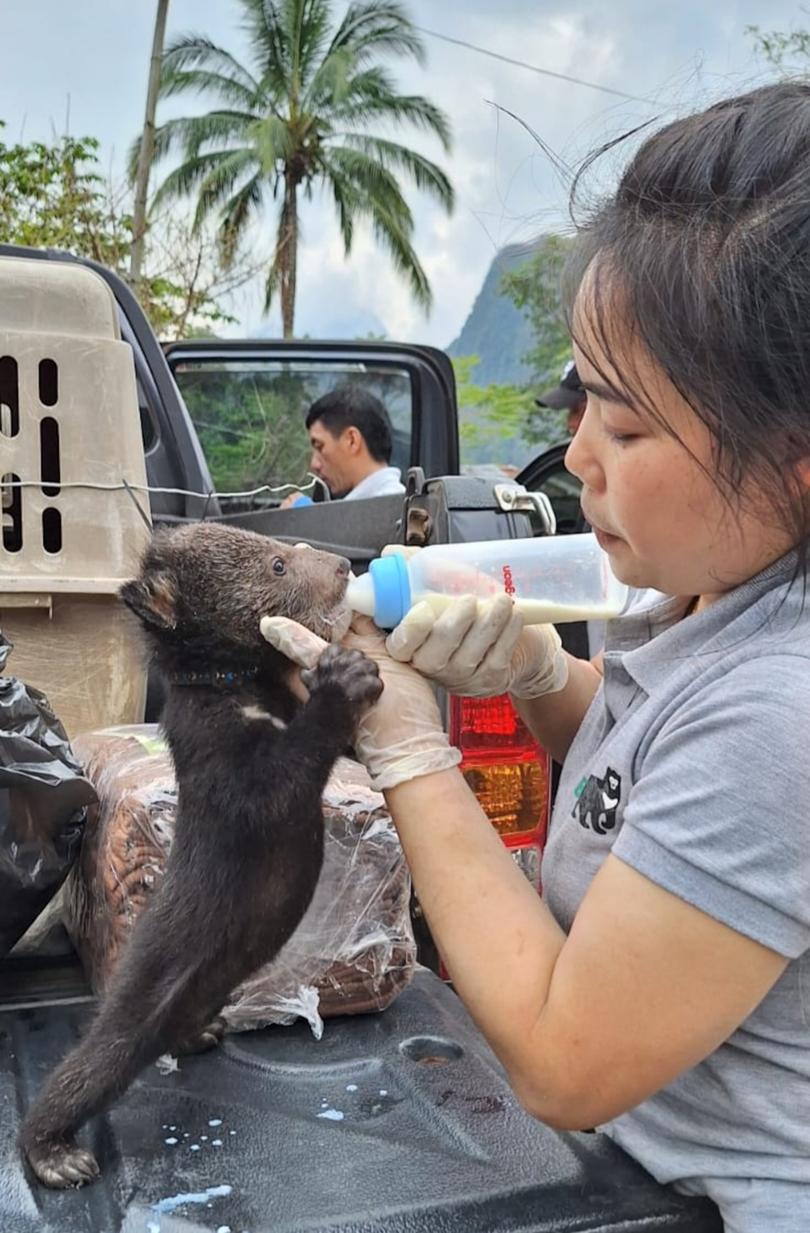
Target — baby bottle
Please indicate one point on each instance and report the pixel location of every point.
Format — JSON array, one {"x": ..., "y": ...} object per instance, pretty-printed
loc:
[{"x": 554, "y": 579}]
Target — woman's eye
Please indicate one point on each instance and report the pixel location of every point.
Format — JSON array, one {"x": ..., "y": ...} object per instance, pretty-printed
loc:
[
  {"x": 278, "y": 566},
  {"x": 621, "y": 438}
]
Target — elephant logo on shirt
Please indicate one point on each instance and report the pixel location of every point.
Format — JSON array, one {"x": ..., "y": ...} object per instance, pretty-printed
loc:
[{"x": 597, "y": 801}]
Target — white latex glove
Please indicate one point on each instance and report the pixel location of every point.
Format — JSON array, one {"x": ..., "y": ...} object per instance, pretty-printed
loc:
[
  {"x": 402, "y": 736},
  {"x": 480, "y": 648}
]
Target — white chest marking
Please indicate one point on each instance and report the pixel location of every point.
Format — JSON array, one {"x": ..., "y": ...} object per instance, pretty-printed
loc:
[{"x": 256, "y": 712}]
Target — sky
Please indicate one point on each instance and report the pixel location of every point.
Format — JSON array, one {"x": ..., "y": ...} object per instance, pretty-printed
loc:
[{"x": 82, "y": 67}]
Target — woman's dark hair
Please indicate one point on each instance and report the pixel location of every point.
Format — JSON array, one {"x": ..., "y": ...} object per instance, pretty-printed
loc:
[
  {"x": 704, "y": 252},
  {"x": 350, "y": 406}
]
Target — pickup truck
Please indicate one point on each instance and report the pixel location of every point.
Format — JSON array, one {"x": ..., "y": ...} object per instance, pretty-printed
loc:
[{"x": 423, "y": 1133}]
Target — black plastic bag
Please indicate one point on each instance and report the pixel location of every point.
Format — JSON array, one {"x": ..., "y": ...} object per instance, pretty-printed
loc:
[{"x": 43, "y": 804}]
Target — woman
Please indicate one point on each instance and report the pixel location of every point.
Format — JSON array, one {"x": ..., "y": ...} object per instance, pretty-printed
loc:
[{"x": 661, "y": 988}]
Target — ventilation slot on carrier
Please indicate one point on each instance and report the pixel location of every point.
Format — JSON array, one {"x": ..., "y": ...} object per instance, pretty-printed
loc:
[
  {"x": 48, "y": 383},
  {"x": 50, "y": 463},
  {"x": 51, "y": 530},
  {"x": 9, "y": 397},
  {"x": 12, "y": 512}
]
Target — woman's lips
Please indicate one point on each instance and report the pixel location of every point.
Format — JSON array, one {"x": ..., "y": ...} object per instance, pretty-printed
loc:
[{"x": 603, "y": 538}]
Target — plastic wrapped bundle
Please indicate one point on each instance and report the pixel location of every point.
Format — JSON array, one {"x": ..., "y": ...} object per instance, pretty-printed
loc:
[
  {"x": 43, "y": 799},
  {"x": 352, "y": 953},
  {"x": 126, "y": 841}
]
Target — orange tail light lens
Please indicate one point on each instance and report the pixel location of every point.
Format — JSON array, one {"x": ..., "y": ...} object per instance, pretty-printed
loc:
[{"x": 509, "y": 773}]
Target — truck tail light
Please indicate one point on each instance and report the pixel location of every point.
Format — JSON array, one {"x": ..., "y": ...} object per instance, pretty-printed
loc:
[{"x": 508, "y": 772}]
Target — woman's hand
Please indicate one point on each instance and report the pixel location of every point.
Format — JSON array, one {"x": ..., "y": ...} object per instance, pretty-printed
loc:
[
  {"x": 402, "y": 736},
  {"x": 479, "y": 648}
]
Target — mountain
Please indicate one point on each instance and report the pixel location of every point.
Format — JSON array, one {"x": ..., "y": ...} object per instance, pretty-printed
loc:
[{"x": 495, "y": 330}]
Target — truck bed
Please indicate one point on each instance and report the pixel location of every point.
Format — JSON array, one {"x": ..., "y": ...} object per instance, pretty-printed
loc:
[
  {"x": 398, "y": 1123},
  {"x": 394, "y": 1123}
]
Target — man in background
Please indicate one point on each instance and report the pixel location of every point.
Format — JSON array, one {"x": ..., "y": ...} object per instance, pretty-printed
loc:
[
  {"x": 567, "y": 396},
  {"x": 350, "y": 435}
]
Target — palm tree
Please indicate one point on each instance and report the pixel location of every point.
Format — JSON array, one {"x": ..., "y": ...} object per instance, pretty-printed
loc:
[{"x": 298, "y": 119}]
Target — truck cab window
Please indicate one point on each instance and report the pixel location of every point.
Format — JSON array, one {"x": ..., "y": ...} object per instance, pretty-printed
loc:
[{"x": 250, "y": 413}]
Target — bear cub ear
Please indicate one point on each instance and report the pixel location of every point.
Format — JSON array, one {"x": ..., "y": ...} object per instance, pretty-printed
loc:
[{"x": 153, "y": 598}]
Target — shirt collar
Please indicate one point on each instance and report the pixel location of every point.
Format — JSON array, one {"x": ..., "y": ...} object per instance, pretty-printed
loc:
[
  {"x": 658, "y": 640},
  {"x": 375, "y": 484}
]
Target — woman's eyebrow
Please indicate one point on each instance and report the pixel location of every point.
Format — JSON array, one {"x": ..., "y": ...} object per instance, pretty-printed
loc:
[{"x": 605, "y": 392}]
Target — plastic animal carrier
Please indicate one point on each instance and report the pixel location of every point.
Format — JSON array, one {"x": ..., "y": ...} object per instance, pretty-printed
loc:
[{"x": 69, "y": 416}]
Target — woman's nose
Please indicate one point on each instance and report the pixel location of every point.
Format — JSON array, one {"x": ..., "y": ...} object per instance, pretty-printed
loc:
[
  {"x": 580, "y": 457},
  {"x": 572, "y": 455}
]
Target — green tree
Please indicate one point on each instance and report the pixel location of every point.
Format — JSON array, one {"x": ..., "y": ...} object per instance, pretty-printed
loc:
[
  {"x": 54, "y": 196},
  {"x": 187, "y": 284},
  {"x": 785, "y": 51},
  {"x": 250, "y": 422},
  {"x": 535, "y": 288},
  {"x": 300, "y": 118},
  {"x": 501, "y": 423}
]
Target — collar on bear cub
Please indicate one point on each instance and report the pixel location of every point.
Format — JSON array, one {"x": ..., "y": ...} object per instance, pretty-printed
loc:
[{"x": 224, "y": 677}]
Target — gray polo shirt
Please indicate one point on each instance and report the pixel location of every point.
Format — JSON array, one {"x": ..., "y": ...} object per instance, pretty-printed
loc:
[{"x": 692, "y": 765}]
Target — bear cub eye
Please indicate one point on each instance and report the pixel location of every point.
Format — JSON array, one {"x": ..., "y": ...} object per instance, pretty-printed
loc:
[{"x": 278, "y": 567}]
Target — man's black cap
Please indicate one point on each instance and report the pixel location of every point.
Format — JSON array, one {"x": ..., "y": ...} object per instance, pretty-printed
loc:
[{"x": 569, "y": 393}]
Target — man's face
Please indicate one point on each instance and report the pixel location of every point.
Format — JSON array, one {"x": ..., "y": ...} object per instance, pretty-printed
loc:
[
  {"x": 333, "y": 458},
  {"x": 574, "y": 417}
]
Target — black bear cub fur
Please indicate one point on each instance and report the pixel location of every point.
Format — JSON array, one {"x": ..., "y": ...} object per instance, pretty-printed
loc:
[{"x": 252, "y": 762}]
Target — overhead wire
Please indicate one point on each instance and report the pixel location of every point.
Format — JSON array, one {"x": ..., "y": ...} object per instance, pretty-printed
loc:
[{"x": 534, "y": 68}]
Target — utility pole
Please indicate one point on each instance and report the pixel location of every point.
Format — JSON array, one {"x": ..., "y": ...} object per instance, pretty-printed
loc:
[{"x": 147, "y": 150}]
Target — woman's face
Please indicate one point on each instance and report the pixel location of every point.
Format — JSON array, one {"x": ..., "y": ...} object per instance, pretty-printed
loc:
[{"x": 649, "y": 488}]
